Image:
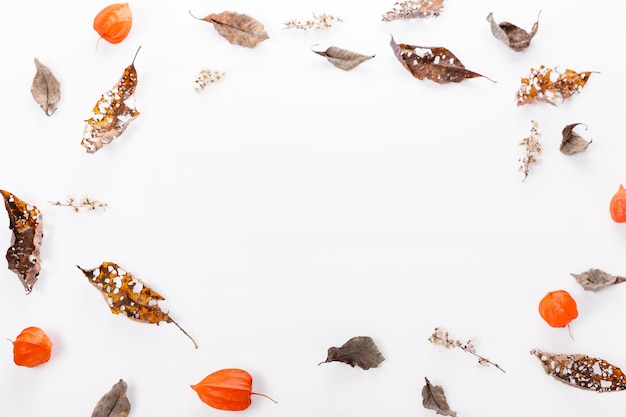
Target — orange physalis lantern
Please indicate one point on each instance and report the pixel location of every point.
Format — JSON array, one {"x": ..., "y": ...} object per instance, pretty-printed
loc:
[
  {"x": 618, "y": 205},
  {"x": 227, "y": 389},
  {"x": 32, "y": 347},
  {"x": 558, "y": 308},
  {"x": 113, "y": 23}
]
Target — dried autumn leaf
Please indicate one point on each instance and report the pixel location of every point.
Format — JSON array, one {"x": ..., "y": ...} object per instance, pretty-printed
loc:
[
  {"x": 550, "y": 86},
  {"x": 434, "y": 63},
  {"x": 512, "y": 36},
  {"x": 410, "y": 9},
  {"x": 572, "y": 142},
  {"x": 582, "y": 371},
  {"x": 46, "y": 89},
  {"x": 595, "y": 279},
  {"x": 360, "y": 350},
  {"x": 126, "y": 294},
  {"x": 237, "y": 28},
  {"x": 23, "y": 254},
  {"x": 434, "y": 398},
  {"x": 111, "y": 115},
  {"x": 114, "y": 403},
  {"x": 342, "y": 58}
]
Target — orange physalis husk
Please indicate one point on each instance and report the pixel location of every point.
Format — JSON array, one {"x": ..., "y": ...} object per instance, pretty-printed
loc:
[
  {"x": 227, "y": 389},
  {"x": 550, "y": 86},
  {"x": 32, "y": 347},
  {"x": 558, "y": 308},
  {"x": 113, "y": 23},
  {"x": 618, "y": 205},
  {"x": 126, "y": 294}
]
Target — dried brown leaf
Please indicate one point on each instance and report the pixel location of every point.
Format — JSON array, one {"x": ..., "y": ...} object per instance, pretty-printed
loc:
[
  {"x": 572, "y": 142},
  {"x": 434, "y": 63},
  {"x": 595, "y": 279},
  {"x": 512, "y": 36},
  {"x": 410, "y": 9},
  {"x": 114, "y": 403},
  {"x": 582, "y": 371},
  {"x": 434, "y": 398},
  {"x": 547, "y": 85},
  {"x": 342, "y": 58},
  {"x": 360, "y": 350},
  {"x": 46, "y": 89},
  {"x": 237, "y": 28}
]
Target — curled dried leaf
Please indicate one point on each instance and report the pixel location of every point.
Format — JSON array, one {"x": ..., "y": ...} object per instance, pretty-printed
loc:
[
  {"x": 572, "y": 142},
  {"x": 237, "y": 28},
  {"x": 360, "y": 350},
  {"x": 547, "y": 85},
  {"x": 114, "y": 403},
  {"x": 342, "y": 58},
  {"x": 595, "y": 279},
  {"x": 410, "y": 9},
  {"x": 512, "y": 36},
  {"x": 433, "y": 398},
  {"x": 46, "y": 89}
]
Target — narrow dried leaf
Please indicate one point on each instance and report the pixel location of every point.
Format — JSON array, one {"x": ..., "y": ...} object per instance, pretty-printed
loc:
[
  {"x": 512, "y": 36},
  {"x": 238, "y": 28},
  {"x": 572, "y": 142},
  {"x": 410, "y": 9},
  {"x": 23, "y": 254},
  {"x": 434, "y": 63},
  {"x": 128, "y": 295},
  {"x": 114, "y": 403},
  {"x": 550, "y": 86},
  {"x": 582, "y": 371},
  {"x": 434, "y": 398},
  {"x": 596, "y": 279},
  {"x": 342, "y": 58},
  {"x": 46, "y": 89},
  {"x": 360, "y": 350}
]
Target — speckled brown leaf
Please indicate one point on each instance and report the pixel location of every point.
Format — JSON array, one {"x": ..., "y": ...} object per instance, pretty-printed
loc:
[
  {"x": 434, "y": 398},
  {"x": 360, "y": 350},
  {"x": 23, "y": 254},
  {"x": 46, "y": 89},
  {"x": 433, "y": 63},
  {"x": 342, "y": 58},
  {"x": 595, "y": 279},
  {"x": 572, "y": 142},
  {"x": 547, "y": 85},
  {"x": 409, "y": 9},
  {"x": 114, "y": 403},
  {"x": 582, "y": 371},
  {"x": 238, "y": 28},
  {"x": 512, "y": 36}
]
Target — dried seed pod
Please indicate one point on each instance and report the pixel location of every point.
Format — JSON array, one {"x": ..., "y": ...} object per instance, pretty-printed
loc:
[
  {"x": 618, "y": 205},
  {"x": 113, "y": 23},
  {"x": 558, "y": 308},
  {"x": 32, "y": 347}
]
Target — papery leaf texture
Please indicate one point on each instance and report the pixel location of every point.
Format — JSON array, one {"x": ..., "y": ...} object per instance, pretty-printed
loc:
[
  {"x": 112, "y": 114},
  {"x": 342, "y": 58},
  {"x": 114, "y": 403},
  {"x": 433, "y": 63},
  {"x": 582, "y": 371},
  {"x": 360, "y": 351},
  {"x": 595, "y": 279},
  {"x": 410, "y": 9},
  {"x": 572, "y": 142},
  {"x": 27, "y": 227},
  {"x": 434, "y": 398},
  {"x": 238, "y": 28},
  {"x": 547, "y": 85},
  {"x": 511, "y": 35},
  {"x": 46, "y": 89}
]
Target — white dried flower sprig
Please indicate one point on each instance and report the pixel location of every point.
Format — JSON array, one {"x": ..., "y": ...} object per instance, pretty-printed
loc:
[
  {"x": 532, "y": 150},
  {"x": 442, "y": 338},
  {"x": 206, "y": 77},
  {"x": 85, "y": 202},
  {"x": 319, "y": 22}
]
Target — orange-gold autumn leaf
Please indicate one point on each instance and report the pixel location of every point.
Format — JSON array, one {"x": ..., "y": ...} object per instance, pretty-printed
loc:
[
  {"x": 547, "y": 85},
  {"x": 113, "y": 23},
  {"x": 32, "y": 347}
]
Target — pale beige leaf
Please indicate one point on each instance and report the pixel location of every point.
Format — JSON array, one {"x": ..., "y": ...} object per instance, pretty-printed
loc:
[
  {"x": 238, "y": 28},
  {"x": 342, "y": 58},
  {"x": 595, "y": 279},
  {"x": 46, "y": 89}
]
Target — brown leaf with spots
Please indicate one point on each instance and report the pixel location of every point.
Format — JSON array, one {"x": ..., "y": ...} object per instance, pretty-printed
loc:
[
  {"x": 111, "y": 115},
  {"x": 595, "y": 279},
  {"x": 237, "y": 28},
  {"x": 360, "y": 350},
  {"x": 572, "y": 142},
  {"x": 434, "y": 398},
  {"x": 23, "y": 254},
  {"x": 46, "y": 89},
  {"x": 410, "y": 9},
  {"x": 582, "y": 371},
  {"x": 128, "y": 295},
  {"x": 434, "y": 63},
  {"x": 114, "y": 403},
  {"x": 512, "y": 36},
  {"x": 550, "y": 86},
  {"x": 342, "y": 58}
]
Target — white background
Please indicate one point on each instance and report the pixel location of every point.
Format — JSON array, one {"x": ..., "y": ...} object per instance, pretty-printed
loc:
[{"x": 292, "y": 206}]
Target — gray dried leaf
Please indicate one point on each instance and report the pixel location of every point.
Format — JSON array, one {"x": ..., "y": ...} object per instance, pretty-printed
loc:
[
  {"x": 596, "y": 279},
  {"x": 434, "y": 398},
  {"x": 572, "y": 142},
  {"x": 512, "y": 36},
  {"x": 238, "y": 28},
  {"x": 46, "y": 89},
  {"x": 360, "y": 350},
  {"x": 114, "y": 403},
  {"x": 342, "y": 58}
]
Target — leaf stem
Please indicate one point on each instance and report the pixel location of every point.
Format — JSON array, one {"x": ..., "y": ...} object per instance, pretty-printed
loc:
[
  {"x": 266, "y": 396},
  {"x": 186, "y": 334}
]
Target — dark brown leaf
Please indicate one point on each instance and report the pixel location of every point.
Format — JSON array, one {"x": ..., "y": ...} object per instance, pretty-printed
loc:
[
  {"x": 46, "y": 89},
  {"x": 23, "y": 254},
  {"x": 342, "y": 58},
  {"x": 582, "y": 371},
  {"x": 237, "y": 28},
  {"x": 434, "y": 398},
  {"x": 409, "y": 9},
  {"x": 572, "y": 142},
  {"x": 360, "y": 350},
  {"x": 596, "y": 279},
  {"x": 512, "y": 36},
  {"x": 114, "y": 403},
  {"x": 434, "y": 63}
]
